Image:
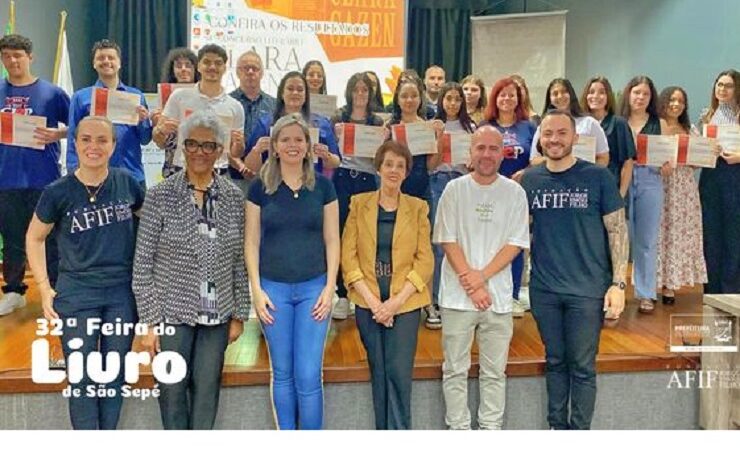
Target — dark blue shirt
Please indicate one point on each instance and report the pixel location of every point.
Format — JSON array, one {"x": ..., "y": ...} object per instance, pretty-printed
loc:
[
  {"x": 28, "y": 168},
  {"x": 570, "y": 246},
  {"x": 129, "y": 138},
  {"x": 292, "y": 246},
  {"x": 96, "y": 240},
  {"x": 264, "y": 104},
  {"x": 326, "y": 136},
  {"x": 517, "y": 142}
]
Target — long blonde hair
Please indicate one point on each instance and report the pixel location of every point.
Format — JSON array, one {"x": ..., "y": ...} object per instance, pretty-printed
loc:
[{"x": 270, "y": 173}]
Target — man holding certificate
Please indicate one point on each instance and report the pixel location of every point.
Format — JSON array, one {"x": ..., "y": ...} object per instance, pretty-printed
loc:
[
  {"x": 110, "y": 98},
  {"x": 206, "y": 94},
  {"x": 32, "y": 110}
]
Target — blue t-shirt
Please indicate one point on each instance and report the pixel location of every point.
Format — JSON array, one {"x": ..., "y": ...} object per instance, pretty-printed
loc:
[
  {"x": 96, "y": 241},
  {"x": 326, "y": 136},
  {"x": 570, "y": 246},
  {"x": 27, "y": 168},
  {"x": 292, "y": 246},
  {"x": 129, "y": 138},
  {"x": 517, "y": 142}
]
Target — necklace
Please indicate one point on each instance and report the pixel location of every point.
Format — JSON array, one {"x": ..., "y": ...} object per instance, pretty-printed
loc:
[{"x": 92, "y": 195}]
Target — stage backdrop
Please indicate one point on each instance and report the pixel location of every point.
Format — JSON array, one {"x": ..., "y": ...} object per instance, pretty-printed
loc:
[
  {"x": 531, "y": 45},
  {"x": 347, "y": 36}
]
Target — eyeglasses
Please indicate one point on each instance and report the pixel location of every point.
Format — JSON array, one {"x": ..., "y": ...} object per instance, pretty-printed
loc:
[
  {"x": 722, "y": 85},
  {"x": 208, "y": 147}
]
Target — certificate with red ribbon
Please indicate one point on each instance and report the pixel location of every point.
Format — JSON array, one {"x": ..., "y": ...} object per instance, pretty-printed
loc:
[
  {"x": 360, "y": 140},
  {"x": 728, "y": 136},
  {"x": 18, "y": 129},
  {"x": 164, "y": 90},
  {"x": 456, "y": 148},
  {"x": 418, "y": 137},
  {"x": 119, "y": 107},
  {"x": 656, "y": 150},
  {"x": 696, "y": 151}
]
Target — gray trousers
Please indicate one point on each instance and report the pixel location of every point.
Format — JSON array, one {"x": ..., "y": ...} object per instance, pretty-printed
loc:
[
  {"x": 192, "y": 403},
  {"x": 493, "y": 332}
]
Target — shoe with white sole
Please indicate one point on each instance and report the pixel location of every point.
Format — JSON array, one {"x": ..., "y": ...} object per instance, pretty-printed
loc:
[
  {"x": 434, "y": 319},
  {"x": 517, "y": 310},
  {"x": 11, "y": 301},
  {"x": 524, "y": 298},
  {"x": 341, "y": 309}
]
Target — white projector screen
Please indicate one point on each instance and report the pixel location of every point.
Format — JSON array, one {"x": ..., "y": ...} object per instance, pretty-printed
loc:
[{"x": 531, "y": 45}]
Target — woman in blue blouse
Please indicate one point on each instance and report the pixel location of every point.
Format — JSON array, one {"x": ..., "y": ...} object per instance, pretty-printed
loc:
[
  {"x": 292, "y": 253},
  {"x": 292, "y": 97}
]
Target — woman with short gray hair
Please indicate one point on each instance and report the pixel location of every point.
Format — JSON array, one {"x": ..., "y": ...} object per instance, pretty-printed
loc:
[{"x": 189, "y": 272}]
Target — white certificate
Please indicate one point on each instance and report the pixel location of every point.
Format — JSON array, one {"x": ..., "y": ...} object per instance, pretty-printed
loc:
[
  {"x": 728, "y": 136},
  {"x": 323, "y": 105},
  {"x": 119, "y": 107},
  {"x": 418, "y": 137},
  {"x": 456, "y": 148},
  {"x": 164, "y": 90},
  {"x": 696, "y": 151},
  {"x": 360, "y": 140},
  {"x": 656, "y": 150},
  {"x": 18, "y": 129},
  {"x": 585, "y": 148}
]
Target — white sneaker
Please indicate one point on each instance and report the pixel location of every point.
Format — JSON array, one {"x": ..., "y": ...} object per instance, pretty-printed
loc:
[
  {"x": 434, "y": 319},
  {"x": 11, "y": 301},
  {"x": 524, "y": 298},
  {"x": 517, "y": 310},
  {"x": 341, "y": 309}
]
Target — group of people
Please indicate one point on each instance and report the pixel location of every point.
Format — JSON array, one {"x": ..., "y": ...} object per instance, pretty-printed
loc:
[{"x": 253, "y": 211}]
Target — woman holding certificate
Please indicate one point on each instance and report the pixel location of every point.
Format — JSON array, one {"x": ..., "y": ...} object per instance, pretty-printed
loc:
[
  {"x": 680, "y": 244},
  {"x": 507, "y": 113},
  {"x": 640, "y": 108},
  {"x": 293, "y": 97},
  {"x": 356, "y": 174},
  {"x": 719, "y": 191},
  {"x": 179, "y": 68},
  {"x": 409, "y": 109},
  {"x": 292, "y": 253},
  {"x": 562, "y": 96},
  {"x": 91, "y": 212},
  {"x": 389, "y": 291},
  {"x": 598, "y": 101}
]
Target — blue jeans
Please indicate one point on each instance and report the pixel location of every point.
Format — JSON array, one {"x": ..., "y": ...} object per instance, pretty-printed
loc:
[
  {"x": 347, "y": 183},
  {"x": 295, "y": 342},
  {"x": 108, "y": 304},
  {"x": 646, "y": 206},
  {"x": 192, "y": 403},
  {"x": 570, "y": 328},
  {"x": 437, "y": 183}
]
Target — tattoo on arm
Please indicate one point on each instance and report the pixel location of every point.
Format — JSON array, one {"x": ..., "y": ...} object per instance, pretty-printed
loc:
[{"x": 616, "y": 228}]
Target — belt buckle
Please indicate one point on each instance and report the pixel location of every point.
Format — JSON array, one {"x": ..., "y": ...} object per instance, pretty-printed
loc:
[{"x": 354, "y": 173}]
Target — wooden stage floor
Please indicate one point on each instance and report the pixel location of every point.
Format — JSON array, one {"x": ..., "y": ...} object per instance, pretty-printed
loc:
[{"x": 637, "y": 343}]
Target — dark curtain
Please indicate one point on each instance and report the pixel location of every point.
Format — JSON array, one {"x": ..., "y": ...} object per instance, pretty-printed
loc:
[
  {"x": 146, "y": 30},
  {"x": 439, "y": 32}
]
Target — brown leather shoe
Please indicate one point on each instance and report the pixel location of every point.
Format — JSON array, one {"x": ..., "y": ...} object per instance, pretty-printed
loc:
[{"x": 646, "y": 306}]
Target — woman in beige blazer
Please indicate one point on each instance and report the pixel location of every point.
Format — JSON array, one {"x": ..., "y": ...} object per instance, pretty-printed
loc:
[{"x": 386, "y": 263}]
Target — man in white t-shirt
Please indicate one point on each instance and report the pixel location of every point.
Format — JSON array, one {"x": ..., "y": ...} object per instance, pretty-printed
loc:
[
  {"x": 482, "y": 223},
  {"x": 207, "y": 93}
]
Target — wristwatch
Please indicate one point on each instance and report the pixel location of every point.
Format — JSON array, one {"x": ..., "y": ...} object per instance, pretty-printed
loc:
[{"x": 621, "y": 285}]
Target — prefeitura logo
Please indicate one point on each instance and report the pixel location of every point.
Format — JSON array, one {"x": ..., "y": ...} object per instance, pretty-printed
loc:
[{"x": 703, "y": 333}]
